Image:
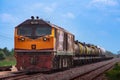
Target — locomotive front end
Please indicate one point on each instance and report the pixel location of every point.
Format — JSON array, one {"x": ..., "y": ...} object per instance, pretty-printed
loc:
[{"x": 34, "y": 45}]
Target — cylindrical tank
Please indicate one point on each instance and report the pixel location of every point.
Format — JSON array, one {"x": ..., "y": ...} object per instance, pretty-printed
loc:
[
  {"x": 102, "y": 50},
  {"x": 79, "y": 47},
  {"x": 98, "y": 50},
  {"x": 87, "y": 49}
]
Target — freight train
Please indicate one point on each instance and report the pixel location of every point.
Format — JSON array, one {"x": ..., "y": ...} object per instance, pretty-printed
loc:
[{"x": 43, "y": 46}]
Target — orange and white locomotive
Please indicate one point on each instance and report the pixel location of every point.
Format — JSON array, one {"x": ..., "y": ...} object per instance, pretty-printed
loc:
[{"x": 40, "y": 45}]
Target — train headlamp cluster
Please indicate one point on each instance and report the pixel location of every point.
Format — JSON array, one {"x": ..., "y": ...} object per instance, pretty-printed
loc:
[
  {"x": 45, "y": 39},
  {"x": 21, "y": 39}
]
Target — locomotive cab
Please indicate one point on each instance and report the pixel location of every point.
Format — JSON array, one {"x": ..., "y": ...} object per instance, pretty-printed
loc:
[{"x": 36, "y": 34}]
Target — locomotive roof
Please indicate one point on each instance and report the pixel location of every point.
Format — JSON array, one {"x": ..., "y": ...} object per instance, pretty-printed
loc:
[
  {"x": 41, "y": 21},
  {"x": 58, "y": 27}
]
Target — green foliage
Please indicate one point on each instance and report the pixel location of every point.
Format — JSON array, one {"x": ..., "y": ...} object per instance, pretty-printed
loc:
[
  {"x": 2, "y": 55},
  {"x": 7, "y": 52},
  {"x": 7, "y": 57},
  {"x": 114, "y": 74},
  {"x": 12, "y": 52},
  {"x": 117, "y": 67},
  {"x": 118, "y": 52},
  {"x": 8, "y": 61},
  {"x": 110, "y": 54}
]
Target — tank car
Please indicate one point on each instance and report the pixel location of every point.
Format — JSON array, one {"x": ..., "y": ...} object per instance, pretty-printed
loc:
[
  {"x": 83, "y": 49},
  {"x": 87, "y": 53}
]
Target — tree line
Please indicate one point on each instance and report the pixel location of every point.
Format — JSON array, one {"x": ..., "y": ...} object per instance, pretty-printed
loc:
[
  {"x": 110, "y": 54},
  {"x": 5, "y": 52}
]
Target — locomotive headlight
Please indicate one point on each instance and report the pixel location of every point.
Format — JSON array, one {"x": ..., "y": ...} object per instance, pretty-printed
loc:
[
  {"x": 44, "y": 39},
  {"x": 22, "y": 39}
]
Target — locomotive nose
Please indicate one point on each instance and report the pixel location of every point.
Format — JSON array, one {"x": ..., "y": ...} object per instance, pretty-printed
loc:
[
  {"x": 33, "y": 46},
  {"x": 33, "y": 60}
]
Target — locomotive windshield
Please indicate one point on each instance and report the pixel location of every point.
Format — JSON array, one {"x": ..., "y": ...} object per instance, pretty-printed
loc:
[
  {"x": 25, "y": 31},
  {"x": 34, "y": 30},
  {"x": 41, "y": 31}
]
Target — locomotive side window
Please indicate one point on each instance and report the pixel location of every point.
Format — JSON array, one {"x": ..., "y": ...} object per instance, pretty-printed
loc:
[
  {"x": 65, "y": 41},
  {"x": 25, "y": 31},
  {"x": 41, "y": 31}
]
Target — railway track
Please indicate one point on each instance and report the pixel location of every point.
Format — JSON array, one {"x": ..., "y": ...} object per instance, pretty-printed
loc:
[
  {"x": 5, "y": 68},
  {"x": 93, "y": 74},
  {"x": 18, "y": 76},
  {"x": 12, "y": 76},
  {"x": 86, "y": 72}
]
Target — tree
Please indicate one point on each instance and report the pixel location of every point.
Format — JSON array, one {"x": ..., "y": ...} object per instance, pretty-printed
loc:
[
  {"x": 2, "y": 55},
  {"x": 6, "y": 51},
  {"x": 110, "y": 54},
  {"x": 12, "y": 52},
  {"x": 118, "y": 53}
]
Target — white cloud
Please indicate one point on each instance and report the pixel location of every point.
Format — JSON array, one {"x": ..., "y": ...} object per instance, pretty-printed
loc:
[
  {"x": 69, "y": 15},
  {"x": 50, "y": 8},
  {"x": 7, "y": 18},
  {"x": 101, "y": 3},
  {"x": 44, "y": 7}
]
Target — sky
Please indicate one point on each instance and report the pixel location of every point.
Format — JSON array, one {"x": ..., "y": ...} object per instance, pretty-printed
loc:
[{"x": 91, "y": 21}]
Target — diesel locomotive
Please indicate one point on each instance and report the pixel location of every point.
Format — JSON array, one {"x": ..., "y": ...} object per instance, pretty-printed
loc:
[{"x": 43, "y": 46}]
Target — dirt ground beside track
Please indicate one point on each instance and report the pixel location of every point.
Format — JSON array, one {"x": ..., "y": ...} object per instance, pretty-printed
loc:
[{"x": 13, "y": 69}]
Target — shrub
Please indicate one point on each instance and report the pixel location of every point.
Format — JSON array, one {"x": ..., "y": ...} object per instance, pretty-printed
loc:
[
  {"x": 2, "y": 55},
  {"x": 114, "y": 74}
]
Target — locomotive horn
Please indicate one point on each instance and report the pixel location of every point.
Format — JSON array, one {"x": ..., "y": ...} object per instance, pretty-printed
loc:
[
  {"x": 32, "y": 17},
  {"x": 37, "y": 17}
]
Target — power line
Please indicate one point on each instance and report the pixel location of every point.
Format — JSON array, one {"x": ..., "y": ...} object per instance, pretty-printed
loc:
[
  {"x": 2, "y": 36},
  {"x": 5, "y": 33}
]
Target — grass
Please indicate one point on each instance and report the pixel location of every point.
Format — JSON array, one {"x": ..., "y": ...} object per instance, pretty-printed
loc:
[
  {"x": 8, "y": 61},
  {"x": 114, "y": 74}
]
